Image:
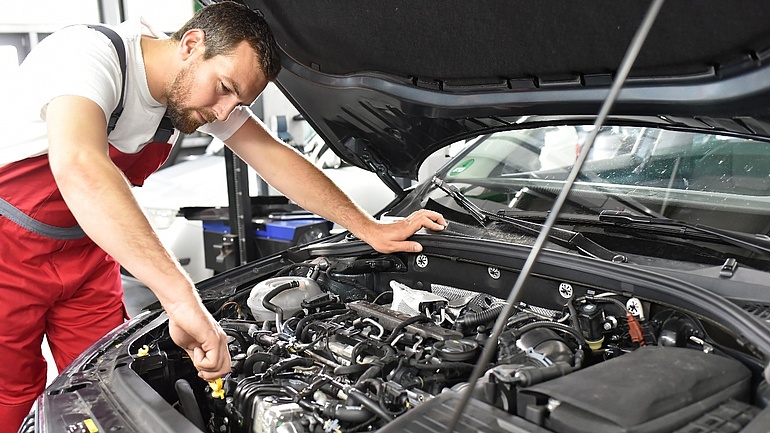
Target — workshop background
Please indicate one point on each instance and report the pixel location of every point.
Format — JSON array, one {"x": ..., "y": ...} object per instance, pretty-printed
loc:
[{"x": 23, "y": 25}]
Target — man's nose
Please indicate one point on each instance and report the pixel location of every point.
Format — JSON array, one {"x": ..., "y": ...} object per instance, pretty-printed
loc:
[{"x": 224, "y": 108}]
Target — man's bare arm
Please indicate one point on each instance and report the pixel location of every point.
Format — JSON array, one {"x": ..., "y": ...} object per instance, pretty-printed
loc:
[
  {"x": 100, "y": 198},
  {"x": 289, "y": 172}
]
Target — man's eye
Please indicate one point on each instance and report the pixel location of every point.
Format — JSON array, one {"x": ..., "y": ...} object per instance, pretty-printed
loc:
[{"x": 225, "y": 88}]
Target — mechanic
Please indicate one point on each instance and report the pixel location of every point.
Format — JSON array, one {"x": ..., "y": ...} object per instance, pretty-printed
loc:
[{"x": 67, "y": 214}]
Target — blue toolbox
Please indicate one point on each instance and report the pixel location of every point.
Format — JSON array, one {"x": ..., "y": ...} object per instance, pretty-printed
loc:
[{"x": 275, "y": 229}]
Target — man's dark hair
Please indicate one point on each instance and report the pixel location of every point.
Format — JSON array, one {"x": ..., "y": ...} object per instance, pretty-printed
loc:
[{"x": 227, "y": 24}]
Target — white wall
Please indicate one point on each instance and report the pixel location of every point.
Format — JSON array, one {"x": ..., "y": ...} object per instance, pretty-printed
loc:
[
  {"x": 166, "y": 15},
  {"x": 275, "y": 104},
  {"x": 45, "y": 16}
]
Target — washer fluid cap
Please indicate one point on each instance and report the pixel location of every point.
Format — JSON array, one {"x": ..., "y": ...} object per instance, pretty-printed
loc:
[{"x": 289, "y": 300}]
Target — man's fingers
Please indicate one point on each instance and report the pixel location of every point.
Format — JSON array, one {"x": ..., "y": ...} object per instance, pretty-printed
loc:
[
  {"x": 428, "y": 219},
  {"x": 434, "y": 225},
  {"x": 208, "y": 364},
  {"x": 424, "y": 221}
]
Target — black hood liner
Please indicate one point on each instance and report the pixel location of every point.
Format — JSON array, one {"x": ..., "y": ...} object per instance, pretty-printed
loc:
[
  {"x": 388, "y": 82},
  {"x": 471, "y": 40}
]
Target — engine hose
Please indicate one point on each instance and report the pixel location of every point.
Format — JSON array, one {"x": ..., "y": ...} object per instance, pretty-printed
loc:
[
  {"x": 527, "y": 376},
  {"x": 400, "y": 327},
  {"x": 359, "y": 347},
  {"x": 329, "y": 303},
  {"x": 273, "y": 293},
  {"x": 573, "y": 314},
  {"x": 364, "y": 400},
  {"x": 475, "y": 319},
  {"x": 356, "y": 414},
  {"x": 189, "y": 404},
  {"x": 254, "y": 358},
  {"x": 422, "y": 381},
  {"x": 344, "y": 370},
  {"x": 372, "y": 372},
  {"x": 374, "y": 384},
  {"x": 555, "y": 326},
  {"x": 579, "y": 358},
  {"x": 238, "y": 337},
  {"x": 300, "y": 328},
  {"x": 299, "y": 399},
  {"x": 322, "y": 382},
  {"x": 289, "y": 363}
]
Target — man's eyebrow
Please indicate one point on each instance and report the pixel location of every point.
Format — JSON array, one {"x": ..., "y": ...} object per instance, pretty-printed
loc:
[{"x": 234, "y": 86}]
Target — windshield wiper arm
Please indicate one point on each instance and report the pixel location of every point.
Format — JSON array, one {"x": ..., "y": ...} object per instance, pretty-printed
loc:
[
  {"x": 476, "y": 212},
  {"x": 758, "y": 243},
  {"x": 566, "y": 238}
]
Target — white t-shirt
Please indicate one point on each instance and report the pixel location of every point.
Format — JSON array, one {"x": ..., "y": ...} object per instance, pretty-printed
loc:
[{"x": 78, "y": 60}]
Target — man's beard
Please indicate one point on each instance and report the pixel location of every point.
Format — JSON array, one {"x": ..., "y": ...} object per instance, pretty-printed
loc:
[{"x": 184, "y": 118}]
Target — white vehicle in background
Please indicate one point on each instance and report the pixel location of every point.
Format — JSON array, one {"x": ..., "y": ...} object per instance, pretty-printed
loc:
[{"x": 202, "y": 182}]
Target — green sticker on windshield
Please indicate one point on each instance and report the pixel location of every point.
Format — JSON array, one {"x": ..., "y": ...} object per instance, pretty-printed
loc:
[{"x": 461, "y": 167}]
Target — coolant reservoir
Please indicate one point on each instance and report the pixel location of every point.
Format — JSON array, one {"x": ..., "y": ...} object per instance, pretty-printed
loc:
[{"x": 289, "y": 300}]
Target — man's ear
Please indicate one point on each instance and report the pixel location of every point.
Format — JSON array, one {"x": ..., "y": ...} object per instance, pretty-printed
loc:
[{"x": 192, "y": 44}]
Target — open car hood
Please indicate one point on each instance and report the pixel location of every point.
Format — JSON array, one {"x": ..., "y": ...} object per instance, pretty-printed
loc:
[{"x": 387, "y": 83}]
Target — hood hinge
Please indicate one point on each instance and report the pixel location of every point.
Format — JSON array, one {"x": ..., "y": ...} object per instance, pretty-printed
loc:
[{"x": 371, "y": 160}]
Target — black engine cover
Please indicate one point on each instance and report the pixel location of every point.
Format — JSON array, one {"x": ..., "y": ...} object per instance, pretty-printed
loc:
[{"x": 652, "y": 389}]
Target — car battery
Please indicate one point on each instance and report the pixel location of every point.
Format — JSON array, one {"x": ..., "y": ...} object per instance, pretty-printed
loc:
[{"x": 271, "y": 236}]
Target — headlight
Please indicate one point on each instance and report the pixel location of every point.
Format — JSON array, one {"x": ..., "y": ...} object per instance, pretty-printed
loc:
[{"x": 161, "y": 219}]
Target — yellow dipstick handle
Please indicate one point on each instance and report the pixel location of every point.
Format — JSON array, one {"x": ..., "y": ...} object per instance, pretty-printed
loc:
[{"x": 217, "y": 388}]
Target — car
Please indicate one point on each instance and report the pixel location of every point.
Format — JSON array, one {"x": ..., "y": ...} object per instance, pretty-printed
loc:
[{"x": 606, "y": 263}]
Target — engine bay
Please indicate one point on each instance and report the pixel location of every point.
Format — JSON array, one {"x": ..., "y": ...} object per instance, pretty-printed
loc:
[{"x": 388, "y": 343}]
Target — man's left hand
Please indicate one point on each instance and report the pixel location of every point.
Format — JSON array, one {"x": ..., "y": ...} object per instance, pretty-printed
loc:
[{"x": 391, "y": 237}]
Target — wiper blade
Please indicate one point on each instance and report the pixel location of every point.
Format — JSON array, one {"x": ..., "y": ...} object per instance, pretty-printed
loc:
[
  {"x": 566, "y": 238},
  {"x": 758, "y": 243}
]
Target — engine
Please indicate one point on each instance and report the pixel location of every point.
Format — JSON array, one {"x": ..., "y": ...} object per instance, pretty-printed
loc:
[{"x": 347, "y": 346}]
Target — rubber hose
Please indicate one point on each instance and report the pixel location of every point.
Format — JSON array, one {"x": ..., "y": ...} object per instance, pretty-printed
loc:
[
  {"x": 475, "y": 319},
  {"x": 238, "y": 337},
  {"x": 345, "y": 370},
  {"x": 553, "y": 325},
  {"x": 347, "y": 413},
  {"x": 404, "y": 324},
  {"x": 289, "y": 363},
  {"x": 273, "y": 293},
  {"x": 370, "y": 404},
  {"x": 254, "y": 358},
  {"x": 298, "y": 330},
  {"x": 189, "y": 404}
]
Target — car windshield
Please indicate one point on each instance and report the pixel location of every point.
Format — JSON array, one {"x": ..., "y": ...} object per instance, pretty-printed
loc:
[{"x": 705, "y": 179}]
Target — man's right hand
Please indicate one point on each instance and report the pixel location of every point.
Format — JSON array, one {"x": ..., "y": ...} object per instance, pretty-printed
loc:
[{"x": 196, "y": 331}]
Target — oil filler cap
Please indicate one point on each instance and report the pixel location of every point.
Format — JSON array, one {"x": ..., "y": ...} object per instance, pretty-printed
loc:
[{"x": 456, "y": 350}]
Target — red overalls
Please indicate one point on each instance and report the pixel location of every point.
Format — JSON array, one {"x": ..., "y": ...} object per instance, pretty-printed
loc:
[{"x": 69, "y": 290}]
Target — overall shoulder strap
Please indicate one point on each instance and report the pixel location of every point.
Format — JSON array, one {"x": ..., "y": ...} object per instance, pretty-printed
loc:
[{"x": 120, "y": 48}]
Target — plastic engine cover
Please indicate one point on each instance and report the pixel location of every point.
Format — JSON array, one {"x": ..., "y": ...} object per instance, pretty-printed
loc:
[{"x": 652, "y": 389}]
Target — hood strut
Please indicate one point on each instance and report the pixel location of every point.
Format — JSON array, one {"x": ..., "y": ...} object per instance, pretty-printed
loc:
[{"x": 545, "y": 231}]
